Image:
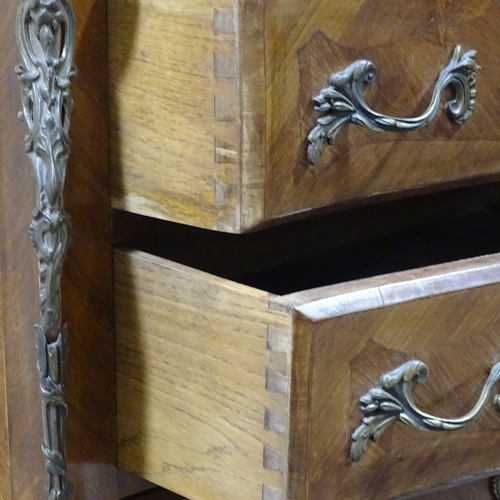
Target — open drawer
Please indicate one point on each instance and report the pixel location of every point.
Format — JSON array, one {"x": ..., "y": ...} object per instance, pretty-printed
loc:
[
  {"x": 226, "y": 391},
  {"x": 212, "y": 105}
]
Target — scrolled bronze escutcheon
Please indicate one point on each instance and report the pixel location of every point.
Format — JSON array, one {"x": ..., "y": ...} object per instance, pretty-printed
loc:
[
  {"x": 343, "y": 102},
  {"x": 393, "y": 400}
]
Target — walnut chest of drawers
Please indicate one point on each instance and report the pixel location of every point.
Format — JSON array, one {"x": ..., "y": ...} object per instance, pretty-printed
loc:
[{"x": 218, "y": 112}]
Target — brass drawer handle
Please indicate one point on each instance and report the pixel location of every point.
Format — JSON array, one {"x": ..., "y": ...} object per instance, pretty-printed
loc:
[
  {"x": 393, "y": 400},
  {"x": 343, "y": 101}
]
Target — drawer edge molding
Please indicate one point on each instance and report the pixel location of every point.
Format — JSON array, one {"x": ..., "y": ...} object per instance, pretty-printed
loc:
[
  {"x": 392, "y": 289},
  {"x": 45, "y": 33},
  {"x": 392, "y": 400},
  {"x": 344, "y": 103}
]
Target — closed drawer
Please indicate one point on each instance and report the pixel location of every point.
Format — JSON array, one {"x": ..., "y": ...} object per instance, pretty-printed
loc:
[
  {"x": 227, "y": 391},
  {"x": 212, "y": 104}
]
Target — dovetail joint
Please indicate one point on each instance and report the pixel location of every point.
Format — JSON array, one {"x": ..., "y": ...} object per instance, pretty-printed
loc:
[
  {"x": 277, "y": 382},
  {"x": 226, "y": 112}
]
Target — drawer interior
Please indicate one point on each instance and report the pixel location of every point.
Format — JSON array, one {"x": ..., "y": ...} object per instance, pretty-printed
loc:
[{"x": 331, "y": 249}]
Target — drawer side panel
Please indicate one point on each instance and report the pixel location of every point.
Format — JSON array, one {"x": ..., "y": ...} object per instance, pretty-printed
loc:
[
  {"x": 175, "y": 112},
  {"x": 202, "y": 381}
]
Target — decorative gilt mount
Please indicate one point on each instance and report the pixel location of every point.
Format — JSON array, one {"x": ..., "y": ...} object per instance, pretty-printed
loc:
[
  {"x": 393, "y": 400},
  {"x": 343, "y": 101},
  {"x": 45, "y": 31}
]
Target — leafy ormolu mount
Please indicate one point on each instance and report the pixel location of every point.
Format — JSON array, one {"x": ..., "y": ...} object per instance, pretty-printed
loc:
[{"x": 45, "y": 31}]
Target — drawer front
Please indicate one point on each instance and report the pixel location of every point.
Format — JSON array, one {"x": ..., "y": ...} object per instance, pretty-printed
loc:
[
  {"x": 226, "y": 391},
  {"x": 306, "y": 42},
  {"x": 212, "y": 105},
  {"x": 353, "y": 340}
]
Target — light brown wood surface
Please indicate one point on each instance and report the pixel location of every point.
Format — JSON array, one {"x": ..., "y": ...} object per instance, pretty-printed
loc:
[
  {"x": 196, "y": 354},
  {"x": 193, "y": 356},
  {"x": 212, "y": 104},
  {"x": 174, "y": 109}
]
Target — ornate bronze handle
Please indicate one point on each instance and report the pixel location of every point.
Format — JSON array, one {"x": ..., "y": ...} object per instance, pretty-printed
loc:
[
  {"x": 343, "y": 101},
  {"x": 393, "y": 400}
]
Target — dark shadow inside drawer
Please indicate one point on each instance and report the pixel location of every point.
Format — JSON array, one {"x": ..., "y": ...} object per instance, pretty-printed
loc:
[{"x": 330, "y": 249}]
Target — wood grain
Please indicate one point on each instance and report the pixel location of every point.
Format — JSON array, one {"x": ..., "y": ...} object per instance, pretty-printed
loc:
[
  {"x": 193, "y": 364},
  {"x": 175, "y": 110},
  {"x": 213, "y": 134},
  {"x": 252, "y": 74},
  {"x": 451, "y": 324},
  {"x": 205, "y": 363},
  {"x": 307, "y": 41}
]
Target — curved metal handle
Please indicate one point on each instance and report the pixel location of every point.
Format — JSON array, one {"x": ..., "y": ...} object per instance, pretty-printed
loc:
[
  {"x": 343, "y": 101},
  {"x": 393, "y": 400}
]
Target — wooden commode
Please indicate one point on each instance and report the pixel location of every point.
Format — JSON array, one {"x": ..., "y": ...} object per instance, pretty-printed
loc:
[
  {"x": 283, "y": 281},
  {"x": 282, "y": 364}
]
